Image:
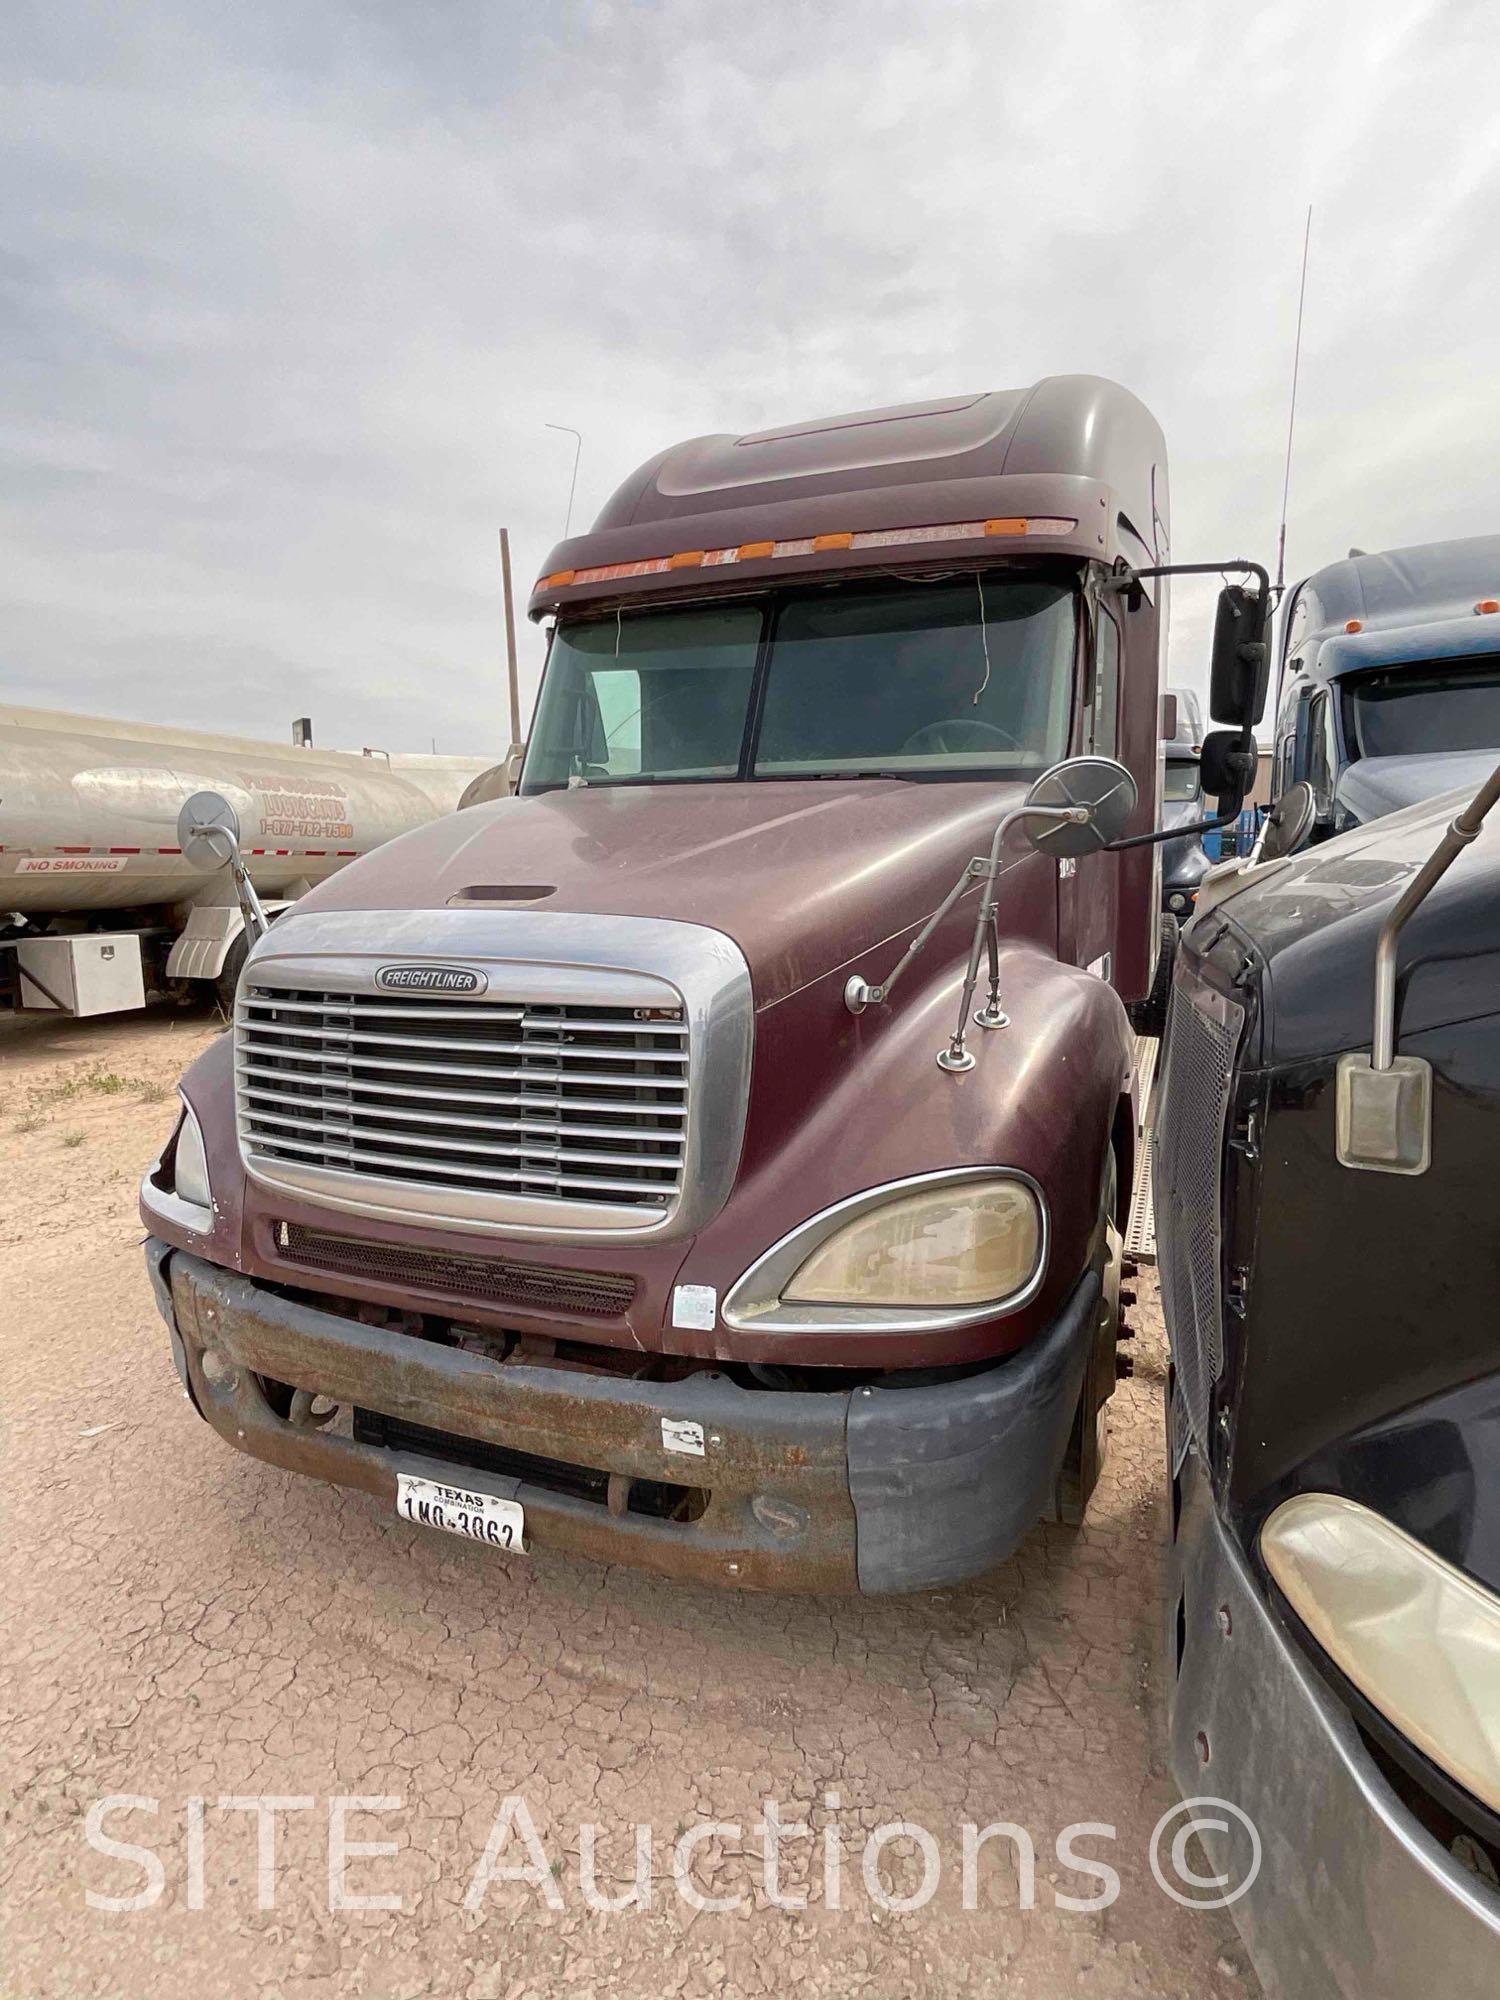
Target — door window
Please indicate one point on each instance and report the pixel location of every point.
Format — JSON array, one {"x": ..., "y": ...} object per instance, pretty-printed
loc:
[{"x": 1104, "y": 710}]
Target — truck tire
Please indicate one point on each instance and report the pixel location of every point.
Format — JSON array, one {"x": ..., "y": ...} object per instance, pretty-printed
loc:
[
  {"x": 228, "y": 980},
  {"x": 1149, "y": 1016},
  {"x": 1088, "y": 1442}
]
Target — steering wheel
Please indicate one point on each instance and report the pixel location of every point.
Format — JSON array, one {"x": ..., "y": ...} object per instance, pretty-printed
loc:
[{"x": 952, "y": 737}]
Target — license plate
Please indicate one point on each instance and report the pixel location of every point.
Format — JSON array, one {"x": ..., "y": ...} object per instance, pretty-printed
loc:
[{"x": 458, "y": 1510}]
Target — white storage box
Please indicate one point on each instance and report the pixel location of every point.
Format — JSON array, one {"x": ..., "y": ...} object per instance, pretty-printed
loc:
[{"x": 91, "y": 974}]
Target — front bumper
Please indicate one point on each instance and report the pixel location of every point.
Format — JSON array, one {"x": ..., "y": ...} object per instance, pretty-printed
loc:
[
  {"x": 1353, "y": 1896},
  {"x": 873, "y": 1488}
]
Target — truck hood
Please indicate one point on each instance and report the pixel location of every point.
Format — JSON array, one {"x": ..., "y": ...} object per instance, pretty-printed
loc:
[
  {"x": 1313, "y": 918},
  {"x": 1378, "y": 785},
  {"x": 803, "y": 876}
]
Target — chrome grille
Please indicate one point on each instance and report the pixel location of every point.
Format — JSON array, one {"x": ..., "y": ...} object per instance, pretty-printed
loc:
[
  {"x": 584, "y": 1104},
  {"x": 1203, "y": 1031}
]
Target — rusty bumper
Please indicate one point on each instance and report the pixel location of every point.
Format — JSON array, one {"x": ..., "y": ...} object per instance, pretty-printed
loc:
[{"x": 873, "y": 1488}]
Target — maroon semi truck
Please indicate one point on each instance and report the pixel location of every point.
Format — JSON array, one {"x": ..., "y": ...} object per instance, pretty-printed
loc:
[{"x": 713, "y": 1157}]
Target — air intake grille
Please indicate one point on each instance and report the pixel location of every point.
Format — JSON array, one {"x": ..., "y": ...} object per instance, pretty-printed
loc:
[
  {"x": 1203, "y": 1031},
  {"x": 494, "y": 1280},
  {"x": 583, "y": 1104}
]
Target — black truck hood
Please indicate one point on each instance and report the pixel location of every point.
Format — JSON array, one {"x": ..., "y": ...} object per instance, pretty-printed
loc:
[
  {"x": 1313, "y": 920},
  {"x": 1375, "y": 786}
]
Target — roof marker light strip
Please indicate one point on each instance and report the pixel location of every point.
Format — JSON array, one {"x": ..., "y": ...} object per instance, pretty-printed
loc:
[{"x": 807, "y": 545}]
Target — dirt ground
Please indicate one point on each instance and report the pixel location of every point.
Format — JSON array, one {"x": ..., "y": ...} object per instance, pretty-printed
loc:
[{"x": 184, "y": 1624}]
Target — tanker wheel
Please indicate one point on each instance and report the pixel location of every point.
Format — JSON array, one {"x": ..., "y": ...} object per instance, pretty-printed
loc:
[
  {"x": 1149, "y": 1016},
  {"x": 1088, "y": 1441},
  {"x": 227, "y": 983}
]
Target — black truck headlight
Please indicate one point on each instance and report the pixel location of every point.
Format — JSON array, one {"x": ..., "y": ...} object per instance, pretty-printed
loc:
[
  {"x": 1418, "y": 1638},
  {"x": 939, "y": 1250}
]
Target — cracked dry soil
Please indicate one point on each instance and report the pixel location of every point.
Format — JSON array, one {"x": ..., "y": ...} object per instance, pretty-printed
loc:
[{"x": 182, "y": 1622}]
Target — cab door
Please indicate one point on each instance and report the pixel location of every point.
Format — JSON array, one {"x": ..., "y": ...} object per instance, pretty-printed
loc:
[{"x": 1088, "y": 888}]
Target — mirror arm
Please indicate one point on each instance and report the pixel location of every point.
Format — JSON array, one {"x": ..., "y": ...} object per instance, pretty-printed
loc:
[
  {"x": 1125, "y": 579},
  {"x": 955, "y": 1056},
  {"x": 1164, "y": 833},
  {"x": 257, "y": 923},
  {"x": 859, "y": 993},
  {"x": 1463, "y": 830}
]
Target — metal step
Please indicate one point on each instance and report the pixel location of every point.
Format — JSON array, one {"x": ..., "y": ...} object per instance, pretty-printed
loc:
[
  {"x": 1147, "y": 1051},
  {"x": 1140, "y": 1231}
]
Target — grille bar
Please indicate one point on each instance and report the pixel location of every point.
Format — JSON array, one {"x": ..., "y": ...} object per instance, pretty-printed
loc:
[
  {"x": 267, "y": 1031},
  {"x": 593, "y": 1103},
  {"x": 513, "y": 1100},
  {"x": 322, "y": 1059},
  {"x": 1203, "y": 1032},
  {"x": 388, "y": 1114}
]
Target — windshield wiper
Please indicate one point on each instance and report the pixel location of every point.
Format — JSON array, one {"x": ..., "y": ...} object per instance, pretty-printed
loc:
[{"x": 781, "y": 776}]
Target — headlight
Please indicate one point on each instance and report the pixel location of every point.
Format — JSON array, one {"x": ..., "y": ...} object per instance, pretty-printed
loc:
[
  {"x": 190, "y": 1162},
  {"x": 1417, "y": 1637},
  {"x": 946, "y": 1247},
  {"x": 940, "y": 1250}
]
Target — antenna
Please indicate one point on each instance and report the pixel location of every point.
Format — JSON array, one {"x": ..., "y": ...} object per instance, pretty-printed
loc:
[
  {"x": 573, "y": 486},
  {"x": 1291, "y": 421},
  {"x": 512, "y": 676}
]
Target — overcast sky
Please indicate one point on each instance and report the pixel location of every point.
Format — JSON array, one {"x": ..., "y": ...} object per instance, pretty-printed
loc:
[{"x": 290, "y": 292}]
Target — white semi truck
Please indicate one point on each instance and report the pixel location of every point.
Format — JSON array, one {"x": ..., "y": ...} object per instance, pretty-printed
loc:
[{"x": 99, "y": 910}]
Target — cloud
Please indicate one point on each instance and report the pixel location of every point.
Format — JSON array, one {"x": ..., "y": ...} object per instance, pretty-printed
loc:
[{"x": 288, "y": 296}]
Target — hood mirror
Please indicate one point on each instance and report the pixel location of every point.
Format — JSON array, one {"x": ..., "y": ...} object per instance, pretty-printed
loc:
[
  {"x": 1288, "y": 823},
  {"x": 208, "y": 832},
  {"x": 1078, "y": 807}
]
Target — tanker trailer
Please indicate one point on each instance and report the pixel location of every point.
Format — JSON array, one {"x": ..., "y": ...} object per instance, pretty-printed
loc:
[{"x": 98, "y": 908}]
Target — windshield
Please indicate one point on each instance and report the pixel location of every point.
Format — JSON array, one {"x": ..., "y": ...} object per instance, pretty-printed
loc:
[
  {"x": 1406, "y": 711},
  {"x": 1181, "y": 780},
  {"x": 970, "y": 677}
]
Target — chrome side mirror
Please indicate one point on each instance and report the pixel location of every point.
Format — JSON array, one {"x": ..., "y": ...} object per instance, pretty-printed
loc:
[
  {"x": 208, "y": 832},
  {"x": 1078, "y": 807},
  {"x": 1288, "y": 823}
]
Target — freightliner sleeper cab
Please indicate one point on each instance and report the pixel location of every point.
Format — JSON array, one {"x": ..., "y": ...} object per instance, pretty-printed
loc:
[{"x": 580, "y": 1175}]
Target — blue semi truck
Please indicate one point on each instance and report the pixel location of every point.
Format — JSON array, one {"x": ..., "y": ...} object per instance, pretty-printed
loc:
[{"x": 1389, "y": 679}]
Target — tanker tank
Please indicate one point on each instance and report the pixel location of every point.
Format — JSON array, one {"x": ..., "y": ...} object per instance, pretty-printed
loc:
[{"x": 88, "y": 814}]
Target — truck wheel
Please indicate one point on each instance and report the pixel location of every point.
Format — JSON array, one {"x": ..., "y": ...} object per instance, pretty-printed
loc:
[
  {"x": 1088, "y": 1442},
  {"x": 229, "y": 976},
  {"x": 1149, "y": 1016}
]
